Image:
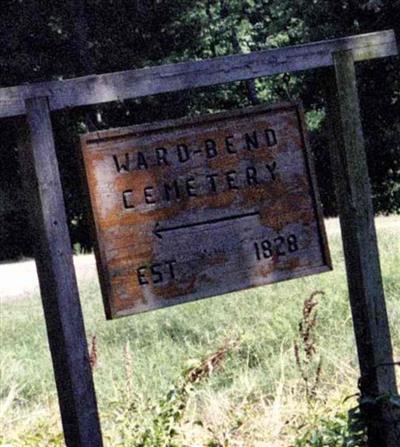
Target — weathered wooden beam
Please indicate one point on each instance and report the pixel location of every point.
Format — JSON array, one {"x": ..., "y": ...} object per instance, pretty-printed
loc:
[
  {"x": 58, "y": 286},
  {"x": 96, "y": 89},
  {"x": 350, "y": 172}
]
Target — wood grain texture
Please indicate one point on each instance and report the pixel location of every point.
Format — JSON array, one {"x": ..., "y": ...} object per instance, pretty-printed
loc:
[
  {"x": 96, "y": 89},
  {"x": 57, "y": 280},
  {"x": 361, "y": 251},
  {"x": 199, "y": 207}
]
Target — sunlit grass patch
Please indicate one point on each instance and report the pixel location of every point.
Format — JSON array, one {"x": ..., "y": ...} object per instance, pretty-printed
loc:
[{"x": 255, "y": 394}]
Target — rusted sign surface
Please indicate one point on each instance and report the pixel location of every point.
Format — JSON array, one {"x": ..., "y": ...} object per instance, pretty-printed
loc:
[{"x": 193, "y": 208}]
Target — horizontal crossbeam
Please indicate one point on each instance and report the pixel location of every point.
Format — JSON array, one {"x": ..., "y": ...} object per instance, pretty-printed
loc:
[{"x": 96, "y": 89}]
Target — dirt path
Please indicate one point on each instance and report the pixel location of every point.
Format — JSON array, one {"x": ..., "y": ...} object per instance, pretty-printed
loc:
[
  {"x": 382, "y": 223},
  {"x": 19, "y": 279}
]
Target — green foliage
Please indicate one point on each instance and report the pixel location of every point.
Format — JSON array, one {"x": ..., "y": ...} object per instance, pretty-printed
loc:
[
  {"x": 48, "y": 40},
  {"x": 333, "y": 432},
  {"x": 163, "y": 426},
  {"x": 346, "y": 429},
  {"x": 379, "y": 89}
]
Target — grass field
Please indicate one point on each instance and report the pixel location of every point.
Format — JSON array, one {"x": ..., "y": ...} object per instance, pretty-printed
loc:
[{"x": 246, "y": 387}]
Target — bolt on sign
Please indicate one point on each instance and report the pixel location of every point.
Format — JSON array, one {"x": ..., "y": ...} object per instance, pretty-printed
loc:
[{"x": 192, "y": 208}]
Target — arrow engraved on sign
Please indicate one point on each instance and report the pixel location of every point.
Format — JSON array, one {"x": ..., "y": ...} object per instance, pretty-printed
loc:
[{"x": 157, "y": 231}]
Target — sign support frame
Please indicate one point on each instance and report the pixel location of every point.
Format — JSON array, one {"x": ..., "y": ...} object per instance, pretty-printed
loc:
[
  {"x": 53, "y": 255},
  {"x": 364, "y": 277},
  {"x": 57, "y": 279}
]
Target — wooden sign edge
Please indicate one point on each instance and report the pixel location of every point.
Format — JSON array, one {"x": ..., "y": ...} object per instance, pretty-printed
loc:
[
  {"x": 122, "y": 132},
  {"x": 310, "y": 168},
  {"x": 149, "y": 127},
  {"x": 102, "y": 272},
  {"x": 300, "y": 273}
]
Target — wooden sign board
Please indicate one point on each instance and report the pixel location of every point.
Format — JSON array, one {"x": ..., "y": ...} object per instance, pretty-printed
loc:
[{"x": 192, "y": 208}]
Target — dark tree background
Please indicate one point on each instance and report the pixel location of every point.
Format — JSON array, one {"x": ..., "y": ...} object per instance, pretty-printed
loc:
[{"x": 42, "y": 40}]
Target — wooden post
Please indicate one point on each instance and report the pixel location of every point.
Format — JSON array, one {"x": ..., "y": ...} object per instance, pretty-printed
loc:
[
  {"x": 57, "y": 280},
  {"x": 367, "y": 299}
]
